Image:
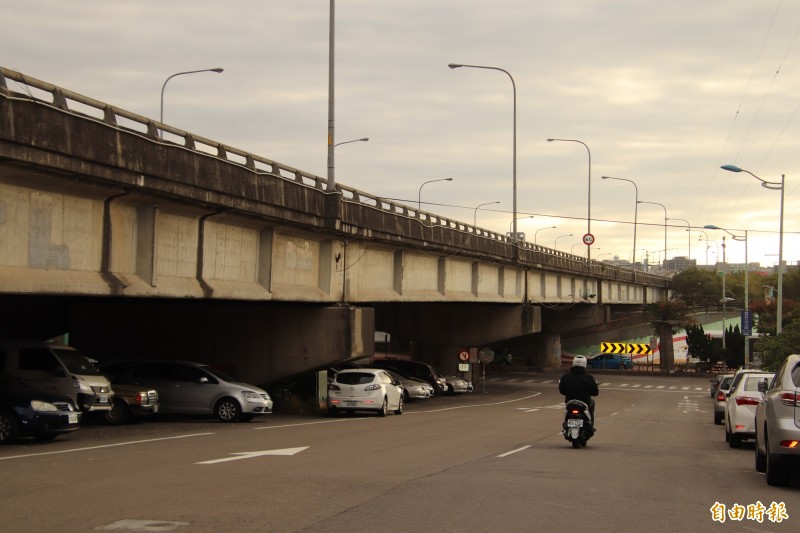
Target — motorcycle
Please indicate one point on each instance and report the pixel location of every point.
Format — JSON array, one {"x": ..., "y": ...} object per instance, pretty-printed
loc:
[{"x": 578, "y": 428}]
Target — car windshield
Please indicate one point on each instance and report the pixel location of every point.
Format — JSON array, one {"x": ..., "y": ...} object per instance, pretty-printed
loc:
[
  {"x": 355, "y": 378},
  {"x": 751, "y": 383},
  {"x": 76, "y": 362}
]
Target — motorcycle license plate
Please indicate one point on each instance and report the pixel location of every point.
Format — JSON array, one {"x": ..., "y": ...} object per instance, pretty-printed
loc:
[{"x": 574, "y": 423}]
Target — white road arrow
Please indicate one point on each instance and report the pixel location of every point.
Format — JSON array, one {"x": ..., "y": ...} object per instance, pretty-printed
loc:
[{"x": 250, "y": 455}]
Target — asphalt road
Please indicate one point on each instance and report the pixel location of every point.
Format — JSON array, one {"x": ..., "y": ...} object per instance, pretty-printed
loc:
[{"x": 485, "y": 461}]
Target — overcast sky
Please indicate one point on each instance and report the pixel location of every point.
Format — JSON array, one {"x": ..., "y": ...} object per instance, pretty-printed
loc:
[{"x": 662, "y": 93}]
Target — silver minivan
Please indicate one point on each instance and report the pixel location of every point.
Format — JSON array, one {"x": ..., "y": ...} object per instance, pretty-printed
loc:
[
  {"x": 189, "y": 388},
  {"x": 57, "y": 368}
]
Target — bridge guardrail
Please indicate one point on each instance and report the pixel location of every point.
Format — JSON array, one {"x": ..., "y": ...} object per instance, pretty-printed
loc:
[{"x": 528, "y": 253}]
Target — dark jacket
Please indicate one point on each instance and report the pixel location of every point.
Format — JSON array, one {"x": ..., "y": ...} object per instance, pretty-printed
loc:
[{"x": 577, "y": 384}]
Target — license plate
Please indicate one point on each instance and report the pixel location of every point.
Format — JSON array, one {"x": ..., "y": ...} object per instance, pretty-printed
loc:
[
  {"x": 351, "y": 404},
  {"x": 574, "y": 423},
  {"x": 102, "y": 399},
  {"x": 72, "y": 418}
]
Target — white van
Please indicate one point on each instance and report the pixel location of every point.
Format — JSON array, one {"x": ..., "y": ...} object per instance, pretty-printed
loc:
[{"x": 57, "y": 368}]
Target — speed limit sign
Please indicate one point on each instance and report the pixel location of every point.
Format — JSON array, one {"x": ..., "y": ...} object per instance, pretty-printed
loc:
[{"x": 588, "y": 239}]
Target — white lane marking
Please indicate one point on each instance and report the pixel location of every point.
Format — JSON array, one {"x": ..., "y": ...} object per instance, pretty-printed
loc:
[
  {"x": 104, "y": 446},
  {"x": 624, "y": 385},
  {"x": 249, "y": 455},
  {"x": 635, "y": 386},
  {"x": 660, "y": 387},
  {"x": 547, "y": 381},
  {"x": 514, "y": 451},
  {"x": 648, "y": 386},
  {"x": 141, "y": 525}
]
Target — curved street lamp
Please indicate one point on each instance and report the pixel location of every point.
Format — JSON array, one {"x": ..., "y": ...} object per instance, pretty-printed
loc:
[
  {"x": 689, "y": 229},
  {"x": 475, "y": 214},
  {"x": 161, "y": 116},
  {"x": 775, "y": 186},
  {"x": 536, "y": 233},
  {"x": 664, "y": 264},
  {"x": 419, "y": 195},
  {"x": 746, "y": 289},
  {"x": 514, "y": 182},
  {"x": 588, "y": 194},
  {"x": 635, "y": 216},
  {"x": 363, "y": 139},
  {"x": 555, "y": 244}
]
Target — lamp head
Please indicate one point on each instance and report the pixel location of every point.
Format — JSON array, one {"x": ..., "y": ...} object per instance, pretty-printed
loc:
[
  {"x": 711, "y": 226},
  {"x": 731, "y": 168},
  {"x": 550, "y": 140},
  {"x": 454, "y": 65},
  {"x": 448, "y": 179},
  {"x": 218, "y": 69}
]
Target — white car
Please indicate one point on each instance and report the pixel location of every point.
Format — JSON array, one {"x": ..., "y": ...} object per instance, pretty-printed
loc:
[
  {"x": 413, "y": 389},
  {"x": 778, "y": 424},
  {"x": 365, "y": 389},
  {"x": 740, "y": 405}
]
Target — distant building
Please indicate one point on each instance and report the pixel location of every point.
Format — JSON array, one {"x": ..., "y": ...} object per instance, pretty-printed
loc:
[{"x": 679, "y": 264}]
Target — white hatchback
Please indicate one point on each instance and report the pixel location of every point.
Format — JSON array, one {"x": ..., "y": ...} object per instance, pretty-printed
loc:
[
  {"x": 740, "y": 405},
  {"x": 365, "y": 389}
]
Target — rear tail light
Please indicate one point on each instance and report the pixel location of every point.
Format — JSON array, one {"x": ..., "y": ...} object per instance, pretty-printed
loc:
[
  {"x": 790, "y": 444},
  {"x": 792, "y": 399},
  {"x": 747, "y": 400},
  {"x": 373, "y": 387}
]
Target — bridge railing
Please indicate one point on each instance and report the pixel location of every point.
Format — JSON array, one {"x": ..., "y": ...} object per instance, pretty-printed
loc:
[{"x": 69, "y": 101}]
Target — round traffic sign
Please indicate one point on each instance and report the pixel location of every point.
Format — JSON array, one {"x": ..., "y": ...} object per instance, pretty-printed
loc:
[
  {"x": 588, "y": 239},
  {"x": 463, "y": 356}
]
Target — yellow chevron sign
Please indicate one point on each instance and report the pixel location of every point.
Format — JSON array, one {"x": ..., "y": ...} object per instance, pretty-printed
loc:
[{"x": 624, "y": 347}]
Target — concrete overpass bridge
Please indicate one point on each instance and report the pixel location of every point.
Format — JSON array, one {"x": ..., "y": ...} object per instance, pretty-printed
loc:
[{"x": 138, "y": 238}]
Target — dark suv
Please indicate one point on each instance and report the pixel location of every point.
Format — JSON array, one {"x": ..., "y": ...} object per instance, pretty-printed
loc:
[{"x": 415, "y": 369}]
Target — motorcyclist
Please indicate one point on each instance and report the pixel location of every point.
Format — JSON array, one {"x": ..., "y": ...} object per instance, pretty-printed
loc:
[{"x": 578, "y": 384}]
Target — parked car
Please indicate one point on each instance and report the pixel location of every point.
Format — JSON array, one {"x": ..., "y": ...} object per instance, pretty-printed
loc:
[
  {"x": 29, "y": 412},
  {"x": 712, "y": 389},
  {"x": 57, "y": 368},
  {"x": 415, "y": 369},
  {"x": 454, "y": 384},
  {"x": 740, "y": 405},
  {"x": 365, "y": 389},
  {"x": 131, "y": 402},
  {"x": 610, "y": 361},
  {"x": 778, "y": 424},
  {"x": 190, "y": 388},
  {"x": 723, "y": 386},
  {"x": 413, "y": 388}
]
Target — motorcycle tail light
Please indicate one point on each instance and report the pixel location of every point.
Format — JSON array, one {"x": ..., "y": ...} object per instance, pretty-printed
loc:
[
  {"x": 747, "y": 400},
  {"x": 575, "y": 412},
  {"x": 720, "y": 396}
]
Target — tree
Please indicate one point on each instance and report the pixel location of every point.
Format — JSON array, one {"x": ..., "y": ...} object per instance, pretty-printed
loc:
[
  {"x": 666, "y": 316},
  {"x": 697, "y": 287},
  {"x": 734, "y": 347},
  {"x": 699, "y": 343},
  {"x": 774, "y": 349}
]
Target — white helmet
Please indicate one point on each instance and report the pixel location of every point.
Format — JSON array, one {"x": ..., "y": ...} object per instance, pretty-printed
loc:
[{"x": 579, "y": 360}]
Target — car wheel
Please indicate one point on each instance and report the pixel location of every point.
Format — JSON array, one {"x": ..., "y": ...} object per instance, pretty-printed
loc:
[
  {"x": 406, "y": 397},
  {"x": 118, "y": 414},
  {"x": 727, "y": 434},
  {"x": 399, "y": 410},
  {"x": 761, "y": 459},
  {"x": 777, "y": 474},
  {"x": 8, "y": 427},
  {"x": 384, "y": 408},
  {"x": 451, "y": 391},
  {"x": 227, "y": 410},
  {"x": 735, "y": 441}
]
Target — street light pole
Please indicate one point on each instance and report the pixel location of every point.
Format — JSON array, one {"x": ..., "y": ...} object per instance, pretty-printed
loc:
[
  {"x": 536, "y": 233},
  {"x": 588, "y": 194},
  {"x": 689, "y": 229},
  {"x": 363, "y": 139},
  {"x": 664, "y": 263},
  {"x": 419, "y": 195},
  {"x": 635, "y": 217},
  {"x": 475, "y": 215},
  {"x": 746, "y": 286},
  {"x": 331, "y": 95},
  {"x": 555, "y": 244},
  {"x": 772, "y": 185},
  {"x": 161, "y": 116},
  {"x": 514, "y": 172}
]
